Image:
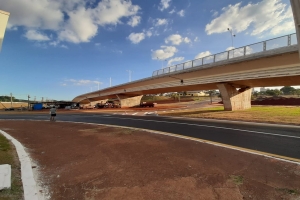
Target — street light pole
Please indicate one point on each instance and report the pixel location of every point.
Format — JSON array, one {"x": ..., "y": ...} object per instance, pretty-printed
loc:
[{"x": 232, "y": 35}]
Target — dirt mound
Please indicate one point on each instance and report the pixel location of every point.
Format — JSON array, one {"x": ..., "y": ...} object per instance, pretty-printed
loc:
[{"x": 276, "y": 101}]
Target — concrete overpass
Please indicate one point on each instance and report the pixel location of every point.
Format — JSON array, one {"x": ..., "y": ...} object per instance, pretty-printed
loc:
[{"x": 273, "y": 62}]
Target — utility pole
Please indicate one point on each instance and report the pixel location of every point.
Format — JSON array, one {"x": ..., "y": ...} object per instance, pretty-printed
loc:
[
  {"x": 28, "y": 101},
  {"x": 42, "y": 99},
  {"x": 11, "y": 100}
]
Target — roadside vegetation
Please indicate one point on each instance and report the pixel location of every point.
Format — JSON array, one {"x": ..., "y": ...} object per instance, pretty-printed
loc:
[
  {"x": 269, "y": 114},
  {"x": 8, "y": 156}
]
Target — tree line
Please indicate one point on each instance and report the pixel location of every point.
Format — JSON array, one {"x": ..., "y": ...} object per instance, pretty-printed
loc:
[
  {"x": 286, "y": 90},
  {"x": 7, "y": 99}
]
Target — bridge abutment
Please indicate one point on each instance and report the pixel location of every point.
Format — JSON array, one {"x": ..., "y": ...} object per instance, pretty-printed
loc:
[
  {"x": 234, "y": 99},
  {"x": 128, "y": 101}
]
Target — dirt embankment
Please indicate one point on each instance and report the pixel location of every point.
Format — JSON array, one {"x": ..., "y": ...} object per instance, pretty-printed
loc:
[{"x": 277, "y": 101}]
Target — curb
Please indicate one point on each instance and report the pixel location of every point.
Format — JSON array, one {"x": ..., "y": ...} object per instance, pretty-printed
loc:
[{"x": 29, "y": 184}]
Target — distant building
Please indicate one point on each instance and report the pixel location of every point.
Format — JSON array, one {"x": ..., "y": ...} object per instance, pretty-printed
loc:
[
  {"x": 3, "y": 23},
  {"x": 262, "y": 89}
]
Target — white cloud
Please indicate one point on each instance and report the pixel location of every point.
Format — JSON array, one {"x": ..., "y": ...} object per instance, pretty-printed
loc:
[
  {"x": 70, "y": 20},
  {"x": 202, "y": 54},
  {"x": 176, "y": 59},
  {"x": 64, "y": 46},
  {"x": 214, "y": 13},
  {"x": 136, "y": 38},
  {"x": 80, "y": 27},
  {"x": 134, "y": 21},
  {"x": 164, "y": 53},
  {"x": 196, "y": 39},
  {"x": 271, "y": 16},
  {"x": 186, "y": 40},
  {"x": 164, "y": 4},
  {"x": 35, "y": 35},
  {"x": 97, "y": 44},
  {"x": 81, "y": 82},
  {"x": 54, "y": 43},
  {"x": 160, "y": 22},
  {"x": 172, "y": 11},
  {"x": 181, "y": 13},
  {"x": 41, "y": 14},
  {"x": 176, "y": 39},
  {"x": 149, "y": 33}
]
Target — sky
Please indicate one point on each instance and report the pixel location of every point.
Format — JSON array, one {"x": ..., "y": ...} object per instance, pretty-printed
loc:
[{"x": 58, "y": 49}]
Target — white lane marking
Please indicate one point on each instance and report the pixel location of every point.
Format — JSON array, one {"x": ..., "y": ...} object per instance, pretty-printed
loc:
[
  {"x": 134, "y": 113},
  {"x": 208, "y": 126}
]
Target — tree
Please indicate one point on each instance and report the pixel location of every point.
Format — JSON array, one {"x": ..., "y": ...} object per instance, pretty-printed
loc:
[
  {"x": 255, "y": 93},
  {"x": 297, "y": 92},
  {"x": 288, "y": 90},
  {"x": 275, "y": 92},
  {"x": 211, "y": 93}
]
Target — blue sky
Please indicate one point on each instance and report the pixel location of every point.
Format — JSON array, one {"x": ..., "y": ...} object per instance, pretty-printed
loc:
[{"x": 59, "y": 49}]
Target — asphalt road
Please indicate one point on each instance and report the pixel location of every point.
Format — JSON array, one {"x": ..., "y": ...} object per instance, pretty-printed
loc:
[{"x": 281, "y": 140}]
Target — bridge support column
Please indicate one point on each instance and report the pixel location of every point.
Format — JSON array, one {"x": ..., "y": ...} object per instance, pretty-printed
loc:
[
  {"x": 234, "y": 99},
  {"x": 127, "y": 101}
]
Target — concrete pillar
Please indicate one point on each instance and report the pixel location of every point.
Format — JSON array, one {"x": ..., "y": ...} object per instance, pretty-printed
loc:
[
  {"x": 234, "y": 99},
  {"x": 127, "y": 101},
  {"x": 295, "y": 4}
]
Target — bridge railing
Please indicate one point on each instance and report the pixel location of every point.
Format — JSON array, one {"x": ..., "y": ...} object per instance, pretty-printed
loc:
[{"x": 259, "y": 47}]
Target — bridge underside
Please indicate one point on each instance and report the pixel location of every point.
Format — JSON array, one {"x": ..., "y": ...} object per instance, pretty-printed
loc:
[
  {"x": 127, "y": 99},
  {"x": 281, "y": 69}
]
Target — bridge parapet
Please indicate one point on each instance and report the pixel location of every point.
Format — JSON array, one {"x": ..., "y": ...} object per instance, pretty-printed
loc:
[{"x": 252, "y": 49}]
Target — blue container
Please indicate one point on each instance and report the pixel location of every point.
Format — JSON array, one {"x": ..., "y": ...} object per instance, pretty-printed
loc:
[{"x": 38, "y": 106}]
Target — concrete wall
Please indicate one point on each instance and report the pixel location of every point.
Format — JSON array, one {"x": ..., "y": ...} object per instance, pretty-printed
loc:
[{"x": 3, "y": 23}]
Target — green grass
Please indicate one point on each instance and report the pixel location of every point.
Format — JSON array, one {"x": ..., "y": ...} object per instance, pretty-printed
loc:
[
  {"x": 238, "y": 180},
  {"x": 289, "y": 191},
  {"x": 272, "y": 114},
  {"x": 8, "y": 156}
]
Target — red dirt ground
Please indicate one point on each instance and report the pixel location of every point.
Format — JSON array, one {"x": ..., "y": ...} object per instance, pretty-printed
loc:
[{"x": 78, "y": 161}]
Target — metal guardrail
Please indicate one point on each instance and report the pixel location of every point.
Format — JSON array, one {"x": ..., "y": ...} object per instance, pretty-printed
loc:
[{"x": 267, "y": 45}]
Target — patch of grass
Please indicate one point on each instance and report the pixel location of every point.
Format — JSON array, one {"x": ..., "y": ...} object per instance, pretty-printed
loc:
[
  {"x": 289, "y": 191},
  {"x": 4, "y": 145},
  {"x": 8, "y": 156},
  {"x": 273, "y": 114},
  {"x": 122, "y": 131},
  {"x": 238, "y": 180}
]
